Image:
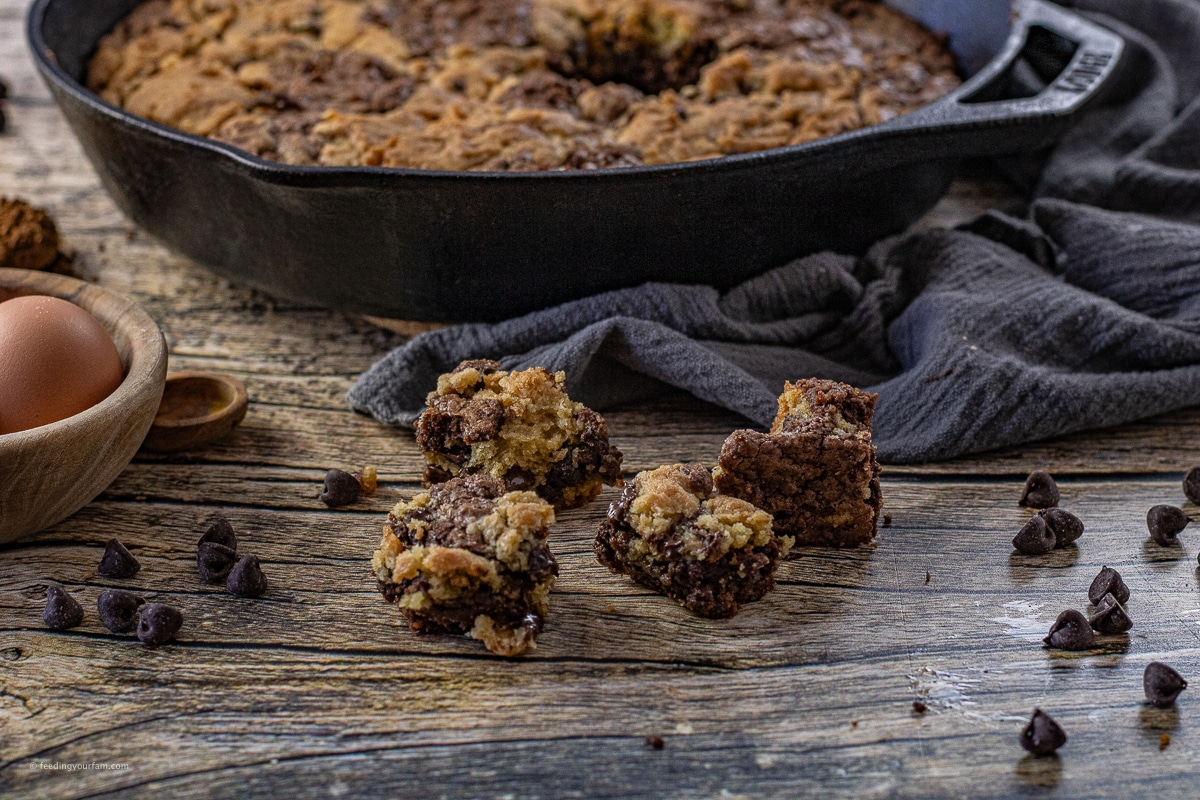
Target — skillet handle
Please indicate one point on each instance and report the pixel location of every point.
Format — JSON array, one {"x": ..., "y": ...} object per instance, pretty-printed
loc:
[{"x": 1054, "y": 63}]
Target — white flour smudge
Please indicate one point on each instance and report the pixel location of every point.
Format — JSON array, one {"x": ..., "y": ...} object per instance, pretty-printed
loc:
[{"x": 1022, "y": 621}]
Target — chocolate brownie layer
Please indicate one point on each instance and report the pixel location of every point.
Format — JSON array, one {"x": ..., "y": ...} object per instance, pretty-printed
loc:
[
  {"x": 670, "y": 533},
  {"x": 520, "y": 427},
  {"x": 517, "y": 84},
  {"x": 816, "y": 471},
  {"x": 467, "y": 557}
]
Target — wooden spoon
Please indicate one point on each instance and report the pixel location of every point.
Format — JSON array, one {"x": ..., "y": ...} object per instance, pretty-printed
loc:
[{"x": 197, "y": 409}]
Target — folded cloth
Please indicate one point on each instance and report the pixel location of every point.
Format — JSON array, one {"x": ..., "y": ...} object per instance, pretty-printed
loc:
[{"x": 1084, "y": 315}]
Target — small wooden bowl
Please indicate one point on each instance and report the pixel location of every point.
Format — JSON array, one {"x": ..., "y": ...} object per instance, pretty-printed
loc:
[
  {"x": 197, "y": 409},
  {"x": 52, "y": 471}
]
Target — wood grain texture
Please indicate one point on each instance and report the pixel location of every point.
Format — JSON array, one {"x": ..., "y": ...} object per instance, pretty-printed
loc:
[{"x": 318, "y": 690}]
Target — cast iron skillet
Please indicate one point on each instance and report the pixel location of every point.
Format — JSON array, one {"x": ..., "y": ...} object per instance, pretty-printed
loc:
[{"x": 446, "y": 246}]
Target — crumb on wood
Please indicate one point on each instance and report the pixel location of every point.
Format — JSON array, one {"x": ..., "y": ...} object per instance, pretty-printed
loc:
[
  {"x": 612, "y": 609},
  {"x": 854, "y": 723},
  {"x": 919, "y": 707},
  {"x": 887, "y": 520},
  {"x": 928, "y": 577},
  {"x": 1164, "y": 741},
  {"x": 368, "y": 479},
  {"x": 656, "y": 742}
]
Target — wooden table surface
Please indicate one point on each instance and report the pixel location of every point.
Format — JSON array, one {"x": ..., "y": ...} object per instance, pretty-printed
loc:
[{"x": 319, "y": 690}]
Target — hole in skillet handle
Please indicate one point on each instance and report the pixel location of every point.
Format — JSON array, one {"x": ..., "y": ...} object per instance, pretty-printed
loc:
[
  {"x": 1045, "y": 56},
  {"x": 1054, "y": 63}
]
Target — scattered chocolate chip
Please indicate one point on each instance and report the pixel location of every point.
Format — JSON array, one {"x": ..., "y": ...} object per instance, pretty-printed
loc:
[
  {"x": 1162, "y": 684},
  {"x": 1042, "y": 736},
  {"x": 158, "y": 623},
  {"x": 1034, "y": 538},
  {"x": 117, "y": 561},
  {"x": 246, "y": 579},
  {"x": 1108, "y": 581},
  {"x": 887, "y": 520},
  {"x": 1110, "y": 616},
  {"x": 928, "y": 577},
  {"x": 655, "y": 742},
  {"x": 118, "y": 610},
  {"x": 341, "y": 488},
  {"x": 1071, "y": 631},
  {"x": 1165, "y": 523},
  {"x": 214, "y": 561},
  {"x": 1040, "y": 491},
  {"x": 1191, "y": 485},
  {"x": 854, "y": 723},
  {"x": 919, "y": 707},
  {"x": 62, "y": 611},
  {"x": 220, "y": 532},
  {"x": 1164, "y": 741},
  {"x": 1065, "y": 526}
]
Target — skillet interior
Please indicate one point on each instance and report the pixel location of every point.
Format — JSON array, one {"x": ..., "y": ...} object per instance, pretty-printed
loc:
[{"x": 442, "y": 246}]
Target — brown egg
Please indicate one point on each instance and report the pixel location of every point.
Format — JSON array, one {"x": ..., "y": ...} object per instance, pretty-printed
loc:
[{"x": 55, "y": 361}]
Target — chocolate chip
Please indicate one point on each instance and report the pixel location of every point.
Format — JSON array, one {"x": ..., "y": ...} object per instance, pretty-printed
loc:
[
  {"x": 341, "y": 488},
  {"x": 519, "y": 480},
  {"x": 1071, "y": 631},
  {"x": 246, "y": 579},
  {"x": 1040, "y": 491},
  {"x": 118, "y": 610},
  {"x": 1108, "y": 581},
  {"x": 1110, "y": 616},
  {"x": 214, "y": 561},
  {"x": 1191, "y": 485},
  {"x": 919, "y": 707},
  {"x": 1162, "y": 684},
  {"x": 158, "y": 623},
  {"x": 62, "y": 611},
  {"x": 1165, "y": 523},
  {"x": 656, "y": 742},
  {"x": 220, "y": 532},
  {"x": 117, "y": 561},
  {"x": 1034, "y": 538},
  {"x": 1066, "y": 526},
  {"x": 1042, "y": 736},
  {"x": 887, "y": 520}
]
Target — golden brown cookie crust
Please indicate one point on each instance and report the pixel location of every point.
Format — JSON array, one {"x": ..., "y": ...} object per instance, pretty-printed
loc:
[{"x": 517, "y": 84}]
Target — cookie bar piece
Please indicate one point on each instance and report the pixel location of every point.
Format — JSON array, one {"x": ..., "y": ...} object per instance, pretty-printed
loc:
[
  {"x": 468, "y": 557},
  {"x": 519, "y": 427},
  {"x": 816, "y": 471},
  {"x": 670, "y": 532}
]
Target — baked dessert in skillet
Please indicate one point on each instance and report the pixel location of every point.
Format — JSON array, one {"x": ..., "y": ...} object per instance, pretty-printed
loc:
[{"x": 517, "y": 84}]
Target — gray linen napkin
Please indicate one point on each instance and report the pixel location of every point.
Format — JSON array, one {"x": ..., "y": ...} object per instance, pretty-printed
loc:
[{"x": 1004, "y": 331}]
